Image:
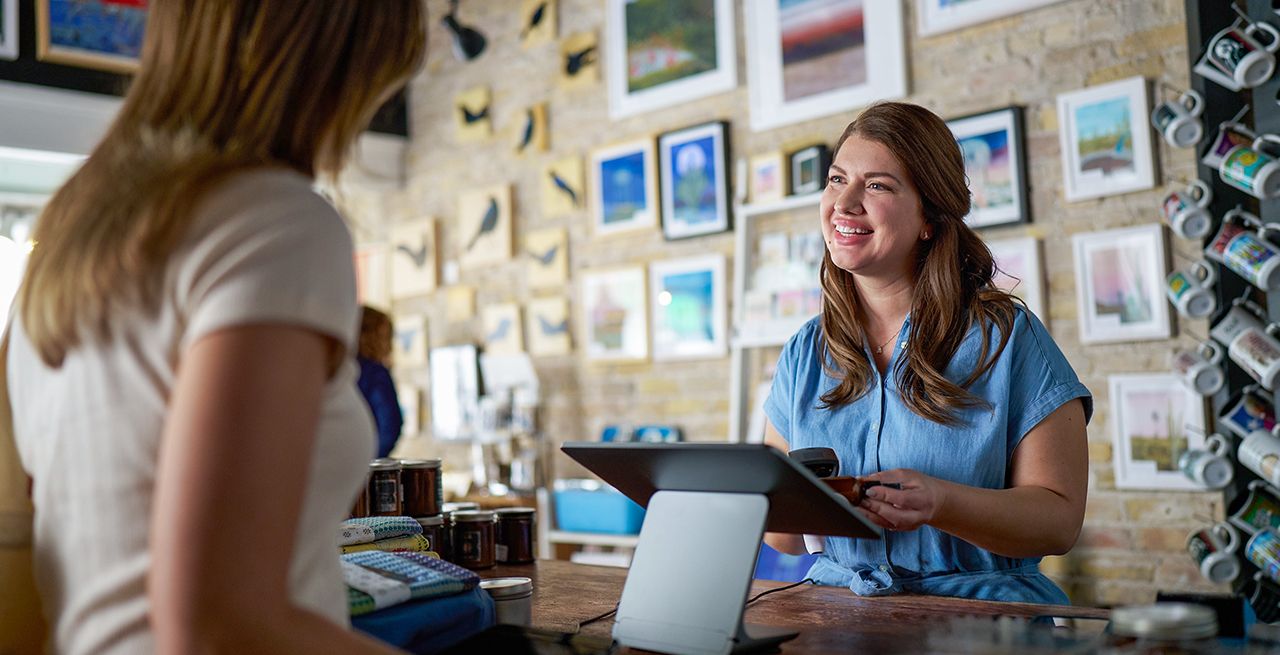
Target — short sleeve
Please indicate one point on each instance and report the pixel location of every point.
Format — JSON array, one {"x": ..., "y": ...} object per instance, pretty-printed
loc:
[
  {"x": 780, "y": 405},
  {"x": 268, "y": 250},
  {"x": 1041, "y": 379}
]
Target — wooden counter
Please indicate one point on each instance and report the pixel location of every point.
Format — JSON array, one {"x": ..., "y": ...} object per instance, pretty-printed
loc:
[{"x": 829, "y": 619}]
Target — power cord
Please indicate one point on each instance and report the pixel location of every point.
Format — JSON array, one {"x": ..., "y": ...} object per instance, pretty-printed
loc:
[{"x": 753, "y": 599}]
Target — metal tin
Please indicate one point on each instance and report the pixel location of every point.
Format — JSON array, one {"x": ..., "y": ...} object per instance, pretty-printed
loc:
[
  {"x": 423, "y": 493},
  {"x": 385, "y": 493},
  {"x": 473, "y": 539},
  {"x": 512, "y": 599},
  {"x": 1164, "y": 622},
  {"x": 515, "y": 535}
]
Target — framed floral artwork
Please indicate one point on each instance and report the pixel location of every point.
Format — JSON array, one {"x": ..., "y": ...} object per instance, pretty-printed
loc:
[
  {"x": 1120, "y": 284},
  {"x": 615, "y": 319}
]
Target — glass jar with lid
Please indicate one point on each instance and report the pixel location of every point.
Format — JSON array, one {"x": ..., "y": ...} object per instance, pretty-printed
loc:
[
  {"x": 385, "y": 494},
  {"x": 423, "y": 493},
  {"x": 1162, "y": 629},
  {"x": 473, "y": 539},
  {"x": 515, "y": 535}
]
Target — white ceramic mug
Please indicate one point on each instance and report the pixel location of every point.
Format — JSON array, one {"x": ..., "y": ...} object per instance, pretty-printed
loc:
[
  {"x": 1258, "y": 353},
  {"x": 1213, "y": 549},
  {"x": 1245, "y": 411},
  {"x": 1243, "y": 314},
  {"x": 1178, "y": 121},
  {"x": 1210, "y": 467},
  {"x": 1187, "y": 210},
  {"x": 1260, "y": 453},
  {"x": 1201, "y": 369},
  {"x": 1251, "y": 169},
  {"x": 1230, "y": 227},
  {"x": 1190, "y": 290},
  {"x": 1230, "y": 135},
  {"x": 1236, "y": 59},
  {"x": 1253, "y": 257}
]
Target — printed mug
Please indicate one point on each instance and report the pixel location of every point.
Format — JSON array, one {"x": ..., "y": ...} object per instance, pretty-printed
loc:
[
  {"x": 1260, "y": 453},
  {"x": 1258, "y": 353},
  {"x": 1213, "y": 549},
  {"x": 1190, "y": 290},
  {"x": 1228, "y": 230},
  {"x": 1236, "y": 59},
  {"x": 1251, "y": 256},
  {"x": 1210, "y": 466},
  {"x": 1187, "y": 210},
  {"x": 1252, "y": 170},
  {"x": 1230, "y": 135},
  {"x": 1261, "y": 509},
  {"x": 1263, "y": 549},
  {"x": 1245, "y": 413},
  {"x": 1243, "y": 314},
  {"x": 1201, "y": 369},
  {"x": 1178, "y": 121}
]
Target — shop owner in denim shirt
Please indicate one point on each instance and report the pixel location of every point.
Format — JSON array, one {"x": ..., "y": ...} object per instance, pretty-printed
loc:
[{"x": 921, "y": 374}]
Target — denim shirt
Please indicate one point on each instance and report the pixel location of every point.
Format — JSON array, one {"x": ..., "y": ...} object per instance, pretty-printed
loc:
[{"x": 878, "y": 432}]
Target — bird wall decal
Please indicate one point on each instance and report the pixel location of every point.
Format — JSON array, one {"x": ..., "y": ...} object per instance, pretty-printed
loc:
[
  {"x": 564, "y": 187},
  {"x": 526, "y": 136},
  {"x": 575, "y": 61},
  {"x": 535, "y": 19},
  {"x": 546, "y": 257},
  {"x": 468, "y": 43},
  {"x": 405, "y": 338},
  {"x": 487, "y": 224},
  {"x": 499, "y": 331},
  {"x": 550, "y": 329},
  {"x": 418, "y": 256},
  {"x": 469, "y": 116}
]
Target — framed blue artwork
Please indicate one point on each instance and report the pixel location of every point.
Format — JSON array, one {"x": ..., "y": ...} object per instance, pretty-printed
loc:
[
  {"x": 624, "y": 188},
  {"x": 103, "y": 34},
  {"x": 996, "y": 165},
  {"x": 689, "y": 309},
  {"x": 693, "y": 168}
]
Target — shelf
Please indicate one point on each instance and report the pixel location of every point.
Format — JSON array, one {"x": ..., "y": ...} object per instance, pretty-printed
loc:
[
  {"x": 786, "y": 204},
  {"x": 592, "y": 539},
  {"x": 775, "y": 333}
]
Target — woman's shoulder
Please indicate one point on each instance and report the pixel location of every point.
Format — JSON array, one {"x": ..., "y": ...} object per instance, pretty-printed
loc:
[{"x": 268, "y": 204}]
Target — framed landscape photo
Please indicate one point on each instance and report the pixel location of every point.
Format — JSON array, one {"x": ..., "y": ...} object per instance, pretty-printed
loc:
[
  {"x": 1120, "y": 284},
  {"x": 689, "y": 309},
  {"x": 1156, "y": 419},
  {"x": 1020, "y": 271},
  {"x": 615, "y": 319},
  {"x": 102, "y": 34},
  {"x": 995, "y": 162},
  {"x": 693, "y": 165},
  {"x": 624, "y": 189},
  {"x": 812, "y": 58},
  {"x": 809, "y": 169},
  {"x": 8, "y": 29},
  {"x": 938, "y": 16},
  {"x": 1106, "y": 140},
  {"x": 660, "y": 53}
]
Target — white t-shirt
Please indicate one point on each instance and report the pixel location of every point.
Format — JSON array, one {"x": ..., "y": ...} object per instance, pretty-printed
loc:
[{"x": 263, "y": 248}]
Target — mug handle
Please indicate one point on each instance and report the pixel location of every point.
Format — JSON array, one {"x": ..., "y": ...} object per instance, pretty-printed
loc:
[
  {"x": 1216, "y": 444},
  {"x": 1208, "y": 275},
  {"x": 1215, "y": 351},
  {"x": 1274, "y": 43},
  {"x": 1196, "y": 104},
  {"x": 1200, "y": 192},
  {"x": 1260, "y": 142},
  {"x": 1224, "y": 530}
]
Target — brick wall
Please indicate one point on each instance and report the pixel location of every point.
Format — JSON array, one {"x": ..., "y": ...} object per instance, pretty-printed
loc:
[{"x": 1132, "y": 542}]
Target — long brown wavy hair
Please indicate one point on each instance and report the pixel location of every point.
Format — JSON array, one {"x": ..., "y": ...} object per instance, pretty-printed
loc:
[
  {"x": 375, "y": 335},
  {"x": 953, "y": 273},
  {"x": 224, "y": 86}
]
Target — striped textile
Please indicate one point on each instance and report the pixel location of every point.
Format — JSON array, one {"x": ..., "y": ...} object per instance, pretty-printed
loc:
[
  {"x": 414, "y": 543},
  {"x": 373, "y": 528},
  {"x": 426, "y": 577}
]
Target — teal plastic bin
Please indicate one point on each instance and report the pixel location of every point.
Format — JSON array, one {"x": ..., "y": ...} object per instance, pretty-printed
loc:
[{"x": 591, "y": 506}]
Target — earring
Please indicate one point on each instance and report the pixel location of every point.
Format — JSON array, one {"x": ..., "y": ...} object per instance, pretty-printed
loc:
[{"x": 925, "y": 236}]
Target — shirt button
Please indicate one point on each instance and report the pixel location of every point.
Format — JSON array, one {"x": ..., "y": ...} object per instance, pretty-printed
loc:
[{"x": 884, "y": 568}]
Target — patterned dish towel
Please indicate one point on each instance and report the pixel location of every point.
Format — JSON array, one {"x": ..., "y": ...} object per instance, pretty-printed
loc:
[
  {"x": 376, "y": 579},
  {"x": 373, "y": 528},
  {"x": 414, "y": 543}
]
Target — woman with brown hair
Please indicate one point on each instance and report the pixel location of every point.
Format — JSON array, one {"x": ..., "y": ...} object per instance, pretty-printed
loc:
[
  {"x": 924, "y": 377},
  {"x": 375, "y": 382},
  {"x": 181, "y": 367}
]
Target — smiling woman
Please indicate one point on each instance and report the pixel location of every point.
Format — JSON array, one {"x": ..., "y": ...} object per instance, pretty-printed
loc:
[{"x": 920, "y": 373}]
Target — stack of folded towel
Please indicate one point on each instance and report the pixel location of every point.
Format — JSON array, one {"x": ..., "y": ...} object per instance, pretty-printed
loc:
[
  {"x": 378, "y": 579},
  {"x": 385, "y": 533}
]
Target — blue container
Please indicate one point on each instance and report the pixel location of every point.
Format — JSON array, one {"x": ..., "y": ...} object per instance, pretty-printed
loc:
[{"x": 588, "y": 506}]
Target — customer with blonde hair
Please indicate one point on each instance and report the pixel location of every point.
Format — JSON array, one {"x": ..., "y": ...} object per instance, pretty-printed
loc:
[{"x": 181, "y": 365}]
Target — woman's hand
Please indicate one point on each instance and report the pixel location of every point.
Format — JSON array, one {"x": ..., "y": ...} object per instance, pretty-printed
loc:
[{"x": 915, "y": 503}]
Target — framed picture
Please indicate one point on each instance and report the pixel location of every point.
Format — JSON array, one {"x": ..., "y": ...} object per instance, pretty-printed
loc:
[
  {"x": 689, "y": 308},
  {"x": 414, "y": 263},
  {"x": 502, "y": 329},
  {"x": 1106, "y": 140},
  {"x": 409, "y": 342},
  {"x": 548, "y": 253},
  {"x": 1020, "y": 271},
  {"x": 547, "y": 327},
  {"x": 996, "y": 164},
  {"x": 624, "y": 186},
  {"x": 1156, "y": 419},
  {"x": 372, "y": 282},
  {"x": 615, "y": 321},
  {"x": 102, "y": 34},
  {"x": 455, "y": 392},
  {"x": 695, "y": 181},
  {"x": 938, "y": 16},
  {"x": 660, "y": 53},
  {"x": 768, "y": 177},
  {"x": 484, "y": 226},
  {"x": 8, "y": 29},
  {"x": 809, "y": 169},
  {"x": 811, "y": 58},
  {"x": 1120, "y": 284}
]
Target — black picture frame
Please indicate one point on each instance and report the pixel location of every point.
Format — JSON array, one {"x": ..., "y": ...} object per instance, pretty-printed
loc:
[
  {"x": 807, "y": 168},
  {"x": 992, "y": 204},
  {"x": 682, "y": 222}
]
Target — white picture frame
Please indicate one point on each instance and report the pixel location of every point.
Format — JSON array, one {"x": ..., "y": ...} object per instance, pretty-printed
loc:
[
  {"x": 612, "y": 187},
  {"x": 935, "y": 18},
  {"x": 625, "y": 100},
  {"x": 706, "y": 161},
  {"x": 1106, "y": 140},
  {"x": 687, "y": 301},
  {"x": 859, "y": 39},
  {"x": 614, "y": 315},
  {"x": 995, "y": 162},
  {"x": 1154, "y": 418},
  {"x": 1120, "y": 284},
  {"x": 9, "y": 29},
  {"x": 1020, "y": 271}
]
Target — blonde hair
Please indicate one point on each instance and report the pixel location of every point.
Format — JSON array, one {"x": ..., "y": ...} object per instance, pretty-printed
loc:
[
  {"x": 224, "y": 86},
  {"x": 953, "y": 277}
]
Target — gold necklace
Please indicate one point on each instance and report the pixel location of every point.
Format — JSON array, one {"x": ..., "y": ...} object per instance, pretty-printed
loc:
[{"x": 880, "y": 348}]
